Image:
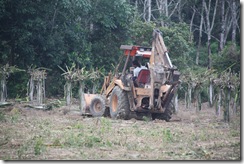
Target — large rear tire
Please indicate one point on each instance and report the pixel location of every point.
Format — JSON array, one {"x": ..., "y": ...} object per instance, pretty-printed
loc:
[
  {"x": 97, "y": 106},
  {"x": 119, "y": 104},
  {"x": 169, "y": 111},
  {"x": 166, "y": 115}
]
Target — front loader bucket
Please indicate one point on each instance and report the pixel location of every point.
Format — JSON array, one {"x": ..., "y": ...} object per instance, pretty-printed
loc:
[{"x": 95, "y": 105}]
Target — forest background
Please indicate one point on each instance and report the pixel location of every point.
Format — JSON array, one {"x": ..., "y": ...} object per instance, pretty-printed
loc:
[{"x": 202, "y": 37}]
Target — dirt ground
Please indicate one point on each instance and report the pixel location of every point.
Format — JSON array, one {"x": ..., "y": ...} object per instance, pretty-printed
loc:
[{"x": 62, "y": 133}]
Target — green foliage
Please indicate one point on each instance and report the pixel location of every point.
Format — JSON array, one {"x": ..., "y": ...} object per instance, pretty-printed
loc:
[
  {"x": 167, "y": 135},
  {"x": 2, "y": 117},
  {"x": 203, "y": 55},
  {"x": 38, "y": 147},
  {"x": 178, "y": 36},
  {"x": 56, "y": 142},
  {"x": 214, "y": 47},
  {"x": 22, "y": 150},
  {"x": 89, "y": 34},
  {"x": 54, "y": 89},
  {"x": 6, "y": 70},
  {"x": 91, "y": 141},
  {"x": 105, "y": 125},
  {"x": 15, "y": 115},
  {"x": 141, "y": 33},
  {"x": 110, "y": 21},
  {"x": 230, "y": 57},
  {"x": 197, "y": 78},
  {"x": 72, "y": 139}
]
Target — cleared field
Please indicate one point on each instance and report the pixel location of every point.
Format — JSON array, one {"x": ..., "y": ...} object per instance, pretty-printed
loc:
[{"x": 63, "y": 134}]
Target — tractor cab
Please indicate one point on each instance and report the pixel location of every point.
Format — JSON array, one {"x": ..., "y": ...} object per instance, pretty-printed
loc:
[
  {"x": 145, "y": 52},
  {"x": 142, "y": 55}
]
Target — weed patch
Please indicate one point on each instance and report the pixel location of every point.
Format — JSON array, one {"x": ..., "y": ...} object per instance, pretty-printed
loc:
[
  {"x": 15, "y": 114},
  {"x": 2, "y": 117}
]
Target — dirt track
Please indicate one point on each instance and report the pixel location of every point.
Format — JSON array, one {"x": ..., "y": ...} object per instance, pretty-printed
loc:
[{"x": 63, "y": 134}]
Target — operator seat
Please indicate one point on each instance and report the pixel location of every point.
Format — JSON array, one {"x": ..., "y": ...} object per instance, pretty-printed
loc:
[{"x": 143, "y": 77}]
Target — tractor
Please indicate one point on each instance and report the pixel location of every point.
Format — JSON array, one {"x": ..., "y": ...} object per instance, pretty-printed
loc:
[{"x": 150, "y": 94}]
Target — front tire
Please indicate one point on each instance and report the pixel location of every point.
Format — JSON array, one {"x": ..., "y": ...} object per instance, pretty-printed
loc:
[
  {"x": 119, "y": 104},
  {"x": 97, "y": 106}
]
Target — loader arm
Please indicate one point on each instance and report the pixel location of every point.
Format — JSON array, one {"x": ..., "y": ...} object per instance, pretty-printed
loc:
[
  {"x": 159, "y": 53},
  {"x": 160, "y": 67}
]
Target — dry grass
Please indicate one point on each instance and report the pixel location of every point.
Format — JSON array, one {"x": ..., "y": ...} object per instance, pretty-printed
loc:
[{"x": 63, "y": 134}]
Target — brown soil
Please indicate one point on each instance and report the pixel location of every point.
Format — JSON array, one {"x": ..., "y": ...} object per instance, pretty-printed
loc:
[{"x": 62, "y": 133}]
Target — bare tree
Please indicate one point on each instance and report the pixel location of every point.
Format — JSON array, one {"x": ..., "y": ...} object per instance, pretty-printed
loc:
[
  {"x": 5, "y": 71},
  {"x": 200, "y": 37},
  {"x": 181, "y": 5},
  {"x": 210, "y": 25},
  {"x": 149, "y": 10},
  {"x": 144, "y": 10},
  {"x": 168, "y": 8},
  {"x": 234, "y": 21},
  {"x": 192, "y": 18},
  {"x": 228, "y": 21},
  {"x": 69, "y": 75},
  {"x": 223, "y": 21},
  {"x": 160, "y": 6}
]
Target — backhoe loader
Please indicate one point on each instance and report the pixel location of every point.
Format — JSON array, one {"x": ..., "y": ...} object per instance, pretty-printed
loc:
[{"x": 150, "y": 94}]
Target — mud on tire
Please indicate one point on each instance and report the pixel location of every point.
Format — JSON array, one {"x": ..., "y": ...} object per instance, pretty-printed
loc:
[{"x": 119, "y": 104}]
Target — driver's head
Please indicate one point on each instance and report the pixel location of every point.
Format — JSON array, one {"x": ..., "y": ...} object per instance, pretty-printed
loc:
[{"x": 136, "y": 63}]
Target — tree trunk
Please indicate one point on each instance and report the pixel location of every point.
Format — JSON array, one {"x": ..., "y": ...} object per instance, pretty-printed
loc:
[
  {"x": 179, "y": 9},
  {"x": 234, "y": 22},
  {"x": 136, "y": 6},
  {"x": 174, "y": 9},
  {"x": 192, "y": 18},
  {"x": 166, "y": 8},
  {"x": 186, "y": 100},
  {"x": 211, "y": 93},
  {"x": 160, "y": 10},
  {"x": 227, "y": 105},
  {"x": 200, "y": 37},
  {"x": 189, "y": 96},
  {"x": 197, "y": 96},
  {"x": 236, "y": 101},
  {"x": 221, "y": 42},
  {"x": 43, "y": 90},
  {"x": 3, "y": 89},
  {"x": 209, "y": 53},
  {"x": 31, "y": 89},
  {"x": 209, "y": 27},
  {"x": 218, "y": 103},
  {"x": 199, "y": 101},
  {"x": 144, "y": 10},
  {"x": 149, "y": 10},
  {"x": 39, "y": 92},
  {"x": 82, "y": 104},
  {"x": 68, "y": 92}
]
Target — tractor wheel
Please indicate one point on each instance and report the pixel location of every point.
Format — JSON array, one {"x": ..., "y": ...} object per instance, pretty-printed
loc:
[
  {"x": 168, "y": 112},
  {"x": 119, "y": 104},
  {"x": 169, "y": 108},
  {"x": 97, "y": 106},
  {"x": 166, "y": 115}
]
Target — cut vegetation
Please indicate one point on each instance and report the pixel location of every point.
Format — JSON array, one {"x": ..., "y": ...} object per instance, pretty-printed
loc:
[{"x": 63, "y": 134}]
